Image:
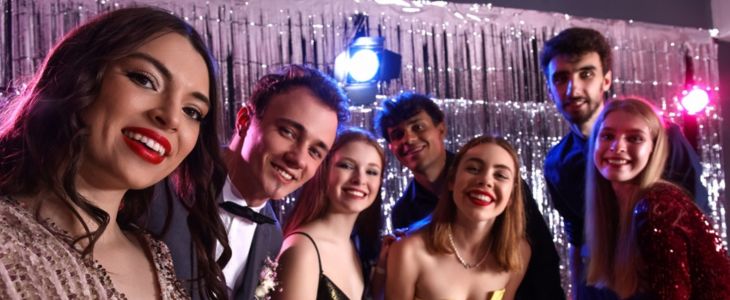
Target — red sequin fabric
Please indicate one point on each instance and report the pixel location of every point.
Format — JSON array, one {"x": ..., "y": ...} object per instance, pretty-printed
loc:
[
  {"x": 683, "y": 256},
  {"x": 38, "y": 262}
]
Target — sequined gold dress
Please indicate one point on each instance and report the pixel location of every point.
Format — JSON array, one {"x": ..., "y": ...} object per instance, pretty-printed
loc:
[
  {"x": 38, "y": 262},
  {"x": 493, "y": 295}
]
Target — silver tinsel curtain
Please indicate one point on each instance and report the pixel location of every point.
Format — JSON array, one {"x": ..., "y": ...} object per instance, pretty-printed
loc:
[{"x": 479, "y": 61}]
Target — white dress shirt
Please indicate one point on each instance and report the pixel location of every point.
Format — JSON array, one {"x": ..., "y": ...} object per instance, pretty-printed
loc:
[{"x": 240, "y": 235}]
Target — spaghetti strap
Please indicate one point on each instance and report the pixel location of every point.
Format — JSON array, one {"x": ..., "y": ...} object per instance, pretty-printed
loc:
[{"x": 315, "y": 248}]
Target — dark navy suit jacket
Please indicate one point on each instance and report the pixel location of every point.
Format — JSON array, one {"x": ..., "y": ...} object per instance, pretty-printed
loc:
[{"x": 266, "y": 242}]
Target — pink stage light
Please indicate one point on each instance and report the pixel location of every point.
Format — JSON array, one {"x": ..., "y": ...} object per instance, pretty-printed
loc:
[{"x": 695, "y": 100}]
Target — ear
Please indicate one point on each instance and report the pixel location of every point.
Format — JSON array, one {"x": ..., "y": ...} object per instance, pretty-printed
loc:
[
  {"x": 442, "y": 128},
  {"x": 607, "y": 80},
  {"x": 243, "y": 119}
]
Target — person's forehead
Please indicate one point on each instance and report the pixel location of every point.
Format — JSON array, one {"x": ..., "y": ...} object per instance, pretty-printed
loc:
[
  {"x": 300, "y": 107},
  {"x": 624, "y": 120},
  {"x": 565, "y": 62},
  {"x": 490, "y": 154},
  {"x": 420, "y": 115}
]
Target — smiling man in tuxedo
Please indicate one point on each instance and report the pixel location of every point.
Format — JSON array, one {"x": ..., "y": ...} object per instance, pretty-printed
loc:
[{"x": 282, "y": 136}]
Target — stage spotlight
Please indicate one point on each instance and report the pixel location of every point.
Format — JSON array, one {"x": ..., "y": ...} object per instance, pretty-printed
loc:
[
  {"x": 363, "y": 65},
  {"x": 694, "y": 100}
]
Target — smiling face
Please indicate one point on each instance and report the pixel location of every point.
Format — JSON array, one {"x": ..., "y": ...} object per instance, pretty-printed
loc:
[
  {"x": 623, "y": 147},
  {"x": 354, "y": 178},
  {"x": 417, "y": 142},
  {"x": 284, "y": 148},
  {"x": 576, "y": 85},
  {"x": 146, "y": 118},
  {"x": 483, "y": 182}
]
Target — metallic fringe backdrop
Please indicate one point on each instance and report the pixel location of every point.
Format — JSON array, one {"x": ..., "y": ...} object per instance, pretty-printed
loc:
[{"x": 480, "y": 60}]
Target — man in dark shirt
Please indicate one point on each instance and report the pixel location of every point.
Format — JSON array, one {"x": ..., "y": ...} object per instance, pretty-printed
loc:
[
  {"x": 577, "y": 66},
  {"x": 414, "y": 128}
]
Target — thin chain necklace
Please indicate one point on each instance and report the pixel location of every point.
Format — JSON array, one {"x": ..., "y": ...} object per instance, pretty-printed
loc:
[{"x": 458, "y": 256}]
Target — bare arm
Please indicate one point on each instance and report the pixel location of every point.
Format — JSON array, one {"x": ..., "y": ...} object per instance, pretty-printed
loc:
[
  {"x": 516, "y": 276},
  {"x": 403, "y": 269},
  {"x": 298, "y": 272}
]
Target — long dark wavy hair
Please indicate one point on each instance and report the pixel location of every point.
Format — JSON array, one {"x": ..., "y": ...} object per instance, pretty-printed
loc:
[{"x": 46, "y": 117}]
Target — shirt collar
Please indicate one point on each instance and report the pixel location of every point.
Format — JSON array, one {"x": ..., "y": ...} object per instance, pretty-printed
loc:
[{"x": 230, "y": 193}]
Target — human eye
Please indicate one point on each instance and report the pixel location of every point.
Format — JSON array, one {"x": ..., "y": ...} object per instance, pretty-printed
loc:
[
  {"x": 635, "y": 139},
  {"x": 502, "y": 175},
  {"x": 418, "y": 127},
  {"x": 346, "y": 165},
  {"x": 471, "y": 169},
  {"x": 586, "y": 74},
  {"x": 560, "y": 78},
  {"x": 373, "y": 172},
  {"x": 606, "y": 136},
  {"x": 287, "y": 132},
  {"x": 142, "y": 79},
  {"x": 396, "y": 135},
  {"x": 194, "y": 113},
  {"x": 316, "y": 153}
]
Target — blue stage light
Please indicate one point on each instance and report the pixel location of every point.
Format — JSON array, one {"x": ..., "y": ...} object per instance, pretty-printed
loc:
[{"x": 363, "y": 65}]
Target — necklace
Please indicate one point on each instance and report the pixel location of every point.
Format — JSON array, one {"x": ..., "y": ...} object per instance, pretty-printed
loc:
[{"x": 461, "y": 259}]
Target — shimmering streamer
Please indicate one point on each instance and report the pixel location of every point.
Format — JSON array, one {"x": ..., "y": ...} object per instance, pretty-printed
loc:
[{"x": 482, "y": 60}]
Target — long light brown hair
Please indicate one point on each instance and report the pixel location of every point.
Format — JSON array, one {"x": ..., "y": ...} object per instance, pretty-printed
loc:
[
  {"x": 614, "y": 254},
  {"x": 509, "y": 227}
]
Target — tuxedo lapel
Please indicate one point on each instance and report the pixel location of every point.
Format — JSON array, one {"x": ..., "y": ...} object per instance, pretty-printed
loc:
[{"x": 266, "y": 243}]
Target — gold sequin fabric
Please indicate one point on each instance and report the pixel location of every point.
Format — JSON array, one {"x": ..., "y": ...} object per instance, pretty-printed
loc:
[
  {"x": 38, "y": 262},
  {"x": 683, "y": 258}
]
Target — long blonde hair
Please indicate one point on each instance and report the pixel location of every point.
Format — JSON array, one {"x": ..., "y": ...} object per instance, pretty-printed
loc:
[
  {"x": 610, "y": 235},
  {"x": 509, "y": 227}
]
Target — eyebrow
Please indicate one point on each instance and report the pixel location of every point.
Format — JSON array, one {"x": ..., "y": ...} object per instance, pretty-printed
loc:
[
  {"x": 165, "y": 72},
  {"x": 299, "y": 127},
  {"x": 352, "y": 159},
  {"x": 497, "y": 166},
  {"x": 584, "y": 68},
  {"x": 632, "y": 130},
  {"x": 414, "y": 119}
]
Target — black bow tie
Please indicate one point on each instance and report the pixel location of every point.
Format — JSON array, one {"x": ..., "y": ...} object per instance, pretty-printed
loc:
[{"x": 246, "y": 212}]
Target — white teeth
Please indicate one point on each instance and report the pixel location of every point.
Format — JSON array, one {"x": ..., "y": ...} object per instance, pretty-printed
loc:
[
  {"x": 150, "y": 143},
  {"x": 481, "y": 197},
  {"x": 283, "y": 173},
  {"x": 617, "y": 161},
  {"x": 355, "y": 193}
]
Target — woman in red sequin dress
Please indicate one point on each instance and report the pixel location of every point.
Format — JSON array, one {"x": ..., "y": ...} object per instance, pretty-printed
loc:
[{"x": 647, "y": 238}]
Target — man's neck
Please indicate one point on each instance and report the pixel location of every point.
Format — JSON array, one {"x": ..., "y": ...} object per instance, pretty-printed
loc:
[
  {"x": 241, "y": 179},
  {"x": 434, "y": 177}
]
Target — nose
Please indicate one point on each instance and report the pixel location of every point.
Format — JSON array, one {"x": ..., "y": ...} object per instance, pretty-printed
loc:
[
  {"x": 485, "y": 180},
  {"x": 167, "y": 114},
  {"x": 295, "y": 157},
  {"x": 357, "y": 177},
  {"x": 409, "y": 136},
  {"x": 618, "y": 145}
]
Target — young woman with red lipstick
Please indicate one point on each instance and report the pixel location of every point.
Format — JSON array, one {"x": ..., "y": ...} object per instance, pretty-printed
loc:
[
  {"x": 318, "y": 259},
  {"x": 475, "y": 246},
  {"x": 120, "y": 103},
  {"x": 647, "y": 238}
]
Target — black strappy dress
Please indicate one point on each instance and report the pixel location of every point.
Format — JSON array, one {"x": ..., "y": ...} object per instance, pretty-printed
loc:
[{"x": 326, "y": 290}]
